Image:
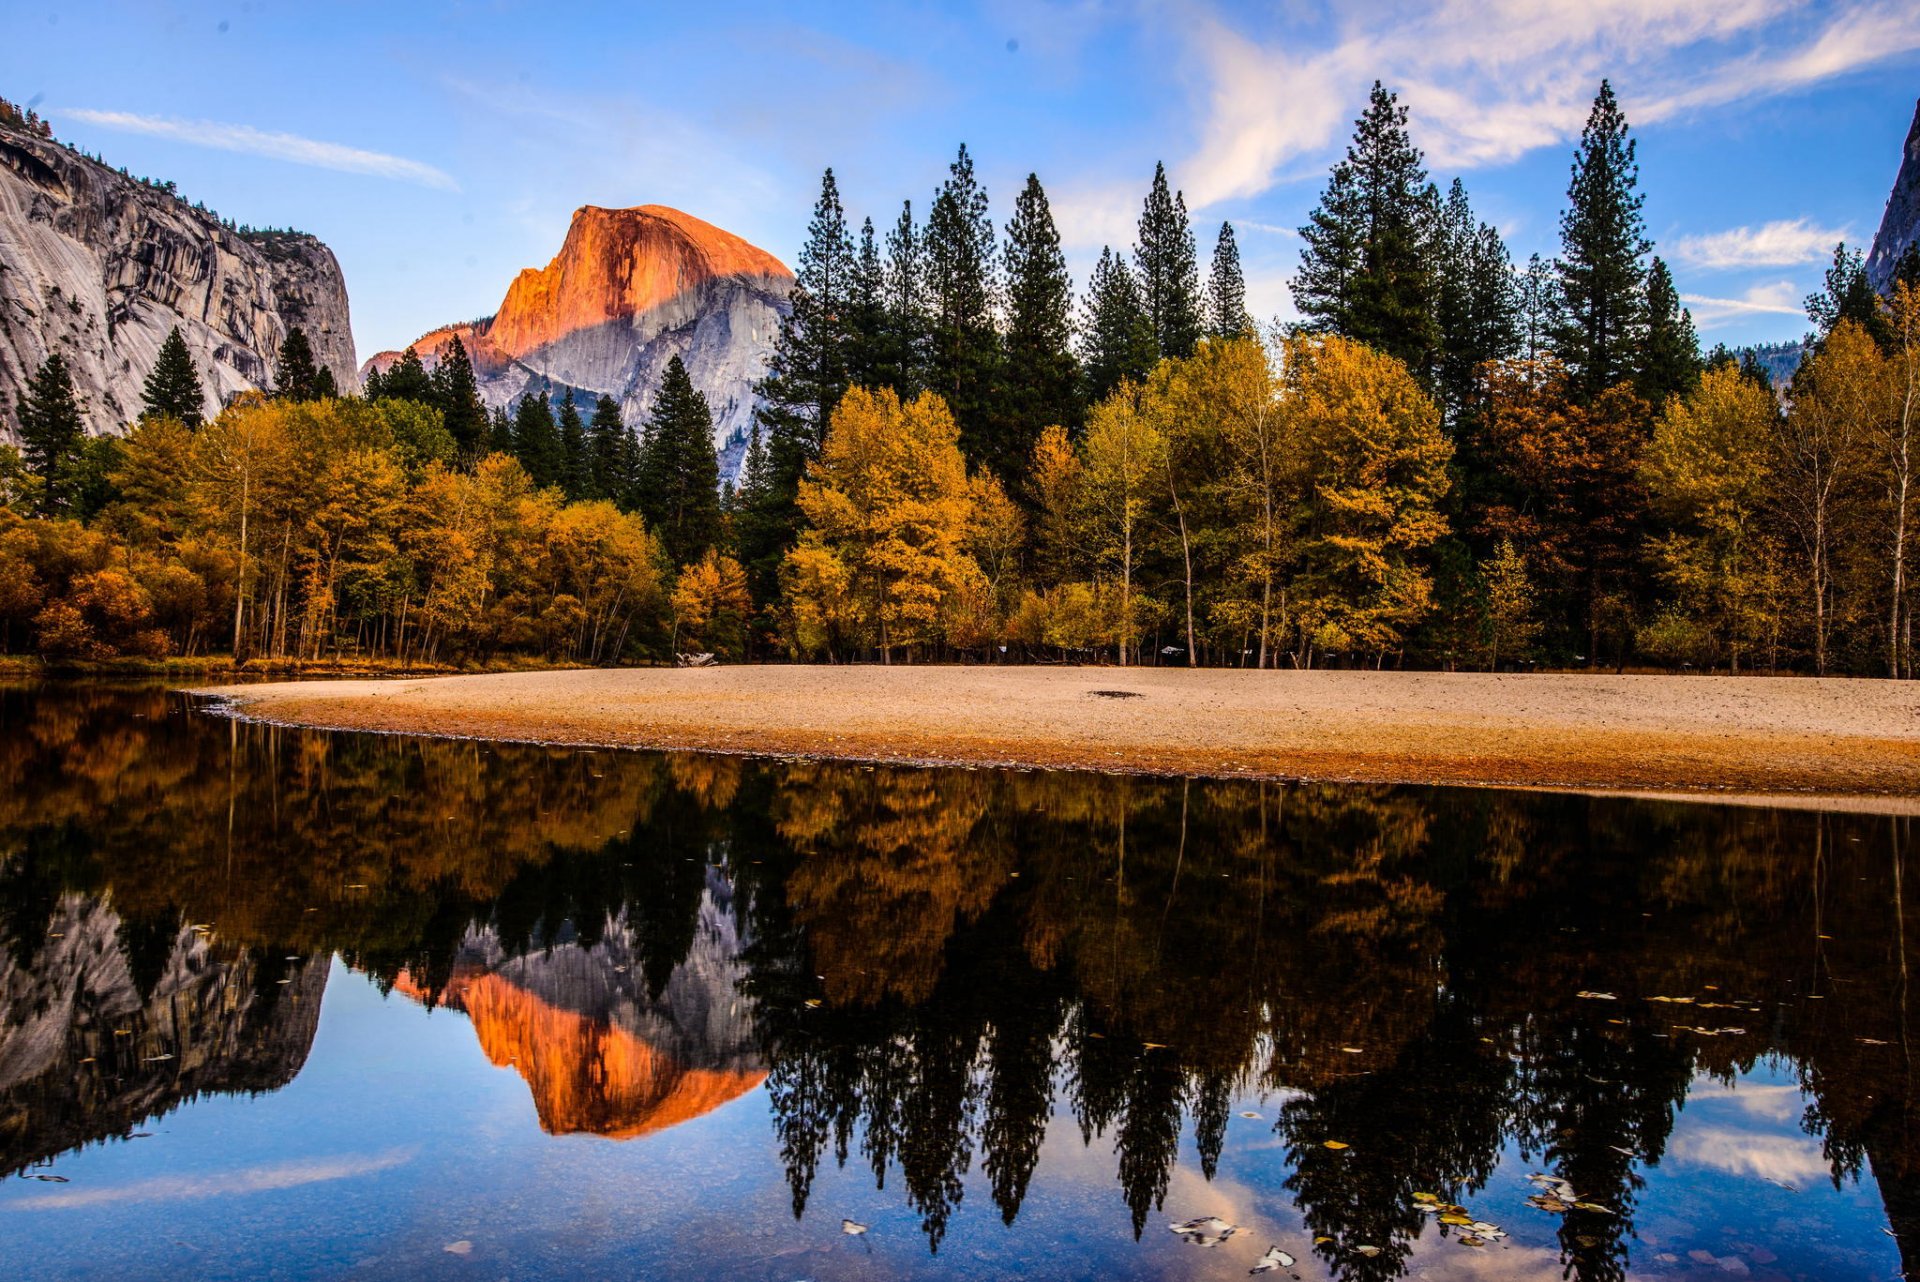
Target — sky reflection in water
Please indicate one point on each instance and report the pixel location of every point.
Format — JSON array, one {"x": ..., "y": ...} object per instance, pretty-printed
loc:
[{"x": 297, "y": 1005}]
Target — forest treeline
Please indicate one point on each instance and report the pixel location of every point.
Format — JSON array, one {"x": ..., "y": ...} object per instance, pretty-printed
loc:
[{"x": 1451, "y": 460}]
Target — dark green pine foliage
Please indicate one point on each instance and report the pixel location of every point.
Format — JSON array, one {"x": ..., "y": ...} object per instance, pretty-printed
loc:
[
  {"x": 1366, "y": 265},
  {"x": 407, "y": 380},
  {"x": 172, "y": 389},
  {"x": 867, "y": 313},
  {"x": 53, "y": 435},
  {"x": 1603, "y": 290},
  {"x": 295, "y": 376},
  {"x": 1846, "y": 295},
  {"x": 1670, "y": 354},
  {"x": 536, "y": 441},
  {"x": 610, "y": 474},
  {"x": 679, "y": 481},
  {"x": 324, "y": 388},
  {"x": 373, "y": 387},
  {"x": 500, "y": 432},
  {"x": 1476, "y": 307},
  {"x": 1227, "y": 315},
  {"x": 1168, "y": 270},
  {"x": 757, "y": 540},
  {"x": 903, "y": 364},
  {"x": 1537, "y": 300},
  {"x": 1042, "y": 377},
  {"x": 576, "y": 468},
  {"x": 457, "y": 393},
  {"x": 964, "y": 346},
  {"x": 1116, "y": 341}
]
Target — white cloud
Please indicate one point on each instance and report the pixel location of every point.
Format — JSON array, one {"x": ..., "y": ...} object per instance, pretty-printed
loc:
[
  {"x": 1786, "y": 1159},
  {"x": 255, "y": 142},
  {"x": 1781, "y": 298},
  {"x": 251, "y": 1179},
  {"x": 1785, "y": 242},
  {"x": 1490, "y": 80}
]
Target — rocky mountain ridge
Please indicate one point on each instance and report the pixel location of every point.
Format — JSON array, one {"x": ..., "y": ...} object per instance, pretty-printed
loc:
[
  {"x": 99, "y": 266},
  {"x": 1900, "y": 224},
  {"x": 629, "y": 290}
]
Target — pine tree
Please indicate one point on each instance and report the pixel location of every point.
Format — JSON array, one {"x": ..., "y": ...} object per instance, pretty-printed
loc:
[
  {"x": 964, "y": 347},
  {"x": 53, "y": 434},
  {"x": 1538, "y": 302},
  {"x": 867, "y": 313},
  {"x": 373, "y": 387},
  {"x": 536, "y": 441},
  {"x": 324, "y": 388},
  {"x": 407, "y": 380},
  {"x": 1669, "y": 357},
  {"x": 576, "y": 466},
  {"x": 500, "y": 432},
  {"x": 1116, "y": 342},
  {"x": 1227, "y": 315},
  {"x": 1366, "y": 262},
  {"x": 760, "y": 543},
  {"x": 1602, "y": 242},
  {"x": 903, "y": 366},
  {"x": 457, "y": 392},
  {"x": 1846, "y": 295},
  {"x": 295, "y": 376},
  {"x": 1042, "y": 378},
  {"x": 172, "y": 389},
  {"x": 679, "y": 481},
  {"x": 1475, "y": 307},
  {"x": 1168, "y": 271},
  {"x": 606, "y": 442}
]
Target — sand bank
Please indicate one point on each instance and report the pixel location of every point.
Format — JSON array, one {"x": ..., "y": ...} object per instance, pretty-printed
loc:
[{"x": 1829, "y": 738}]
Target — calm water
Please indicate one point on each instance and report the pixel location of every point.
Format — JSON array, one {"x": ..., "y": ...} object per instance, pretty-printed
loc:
[{"x": 301, "y": 1005}]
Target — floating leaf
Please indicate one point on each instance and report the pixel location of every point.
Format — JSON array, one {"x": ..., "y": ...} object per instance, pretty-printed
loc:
[
  {"x": 1368, "y": 1251},
  {"x": 462, "y": 1247},
  {"x": 852, "y": 1228},
  {"x": 1252, "y": 1115},
  {"x": 1596, "y": 997},
  {"x": 1335, "y": 1145},
  {"x": 1208, "y": 1230},
  {"x": 1594, "y": 1207},
  {"x": 1275, "y": 1258}
]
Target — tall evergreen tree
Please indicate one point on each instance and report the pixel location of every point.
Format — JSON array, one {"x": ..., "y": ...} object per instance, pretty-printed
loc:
[
  {"x": 172, "y": 389},
  {"x": 1227, "y": 289},
  {"x": 609, "y": 477},
  {"x": 963, "y": 348},
  {"x": 807, "y": 372},
  {"x": 1116, "y": 340},
  {"x": 679, "y": 481},
  {"x": 500, "y": 432},
  {"x": 1538, "y": 303},
  {"x": 1042, "y": 377},
  {"x": 536, "y": 441},
  {"x": 1603, "y": 241},
  {"x": 324, "y": 388},
  {"x": 1846, "y": 295},
  {"x": 1168, "y": 270},
  {"x": 758, "y": 541},
  {"x": 903, "y": 367},
  {"x": 407, "y": 380},
  {"x": 576, "y": 468},
  {"x": 1669, "y": 361},
  {"x": 1366, "y": 260},
  {"x": 295, "y": 376},
  {"x": 1475, "y": 306},
  {"x": 53, "y": 435},
  {"x": 457, "y": 392},
  {"x": 373, "y": 387},
  {"x": 867, "y": 336}
]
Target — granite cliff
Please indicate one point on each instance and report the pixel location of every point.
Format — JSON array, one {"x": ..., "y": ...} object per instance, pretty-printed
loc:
[
  {"x": 99, "y": 266},
  {"x": 1900, "y": 225},
  {"x": 629, "y": 290}
]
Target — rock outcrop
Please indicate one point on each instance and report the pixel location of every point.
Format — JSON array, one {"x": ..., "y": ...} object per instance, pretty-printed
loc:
[
  {"x": 99, "y": 266},
  {"x": 1900, "y": 225},
  {"x": 629, "y": 290}
]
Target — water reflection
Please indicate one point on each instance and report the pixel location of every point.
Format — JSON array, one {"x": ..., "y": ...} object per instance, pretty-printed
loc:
[{"x": 925, "y": 968}]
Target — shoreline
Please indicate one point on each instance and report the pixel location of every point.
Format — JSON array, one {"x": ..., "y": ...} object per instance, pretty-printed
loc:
[{"x": 1830, "y": 743}]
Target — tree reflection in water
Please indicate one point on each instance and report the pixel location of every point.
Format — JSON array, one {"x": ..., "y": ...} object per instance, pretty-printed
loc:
[{"x": 929, "y": 965}]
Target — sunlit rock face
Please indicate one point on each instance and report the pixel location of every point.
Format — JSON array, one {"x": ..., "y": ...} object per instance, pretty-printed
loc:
[
  {"x": 600, "y": 1053},
  {"x": 629, "y": 290},
  {"x": 89, "y": 1049},
  {"x": 98, "y": 267},
  {"x": 1900, "y": 225}
]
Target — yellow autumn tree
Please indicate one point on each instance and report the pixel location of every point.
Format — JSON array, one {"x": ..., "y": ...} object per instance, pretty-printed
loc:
[
  {"x": 1122, "y": 461},
  {"x": 711, "y": 605},
  {"x": 890, "y": 505}
]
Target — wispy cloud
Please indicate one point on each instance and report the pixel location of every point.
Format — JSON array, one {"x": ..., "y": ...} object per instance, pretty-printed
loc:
[
  {"x": 1488, "y": 82},
  {"x": 276, "y": 146},
  {"x": 249, "y": 1179},
  {"x": 1781, "y": 298},
  {"x": 1786, "y": 1159},
  {"x": 1786, "y": 242}
]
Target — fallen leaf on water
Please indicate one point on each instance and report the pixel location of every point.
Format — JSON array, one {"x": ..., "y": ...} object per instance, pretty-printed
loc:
[
  {"x": 1468, "y": 1239},
  {"x": 1352, "y": 1050},
  {"x": 1594, "y": 1207},
  {"x": 1368, "y": 1251},
  {"x": 52, "y": 1179},
  {"x": 1596, "y": 997},
  {"x": 852, "y": 1228},
  {"x": 812, "y": 1002},
  {"x": 1335, "y": 1145},
  {"x": 1458, "y": 1221},
  {"x": 1275, "y": 1258},
  {"x": 1153, "y": 1046},
  {"x": 1254, "y": 1116},
  {"x": 462, "y": 1247},
  {"x": 1322, "y": 1240},
  {"x": 1208, "y": 1230}
]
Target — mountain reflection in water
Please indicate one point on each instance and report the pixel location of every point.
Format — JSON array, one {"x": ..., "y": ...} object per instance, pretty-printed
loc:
[{"x": 923, "y": 969}]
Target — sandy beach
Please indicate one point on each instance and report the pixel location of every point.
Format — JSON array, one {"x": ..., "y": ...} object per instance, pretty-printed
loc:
[{"x": 1838, "y": 739}]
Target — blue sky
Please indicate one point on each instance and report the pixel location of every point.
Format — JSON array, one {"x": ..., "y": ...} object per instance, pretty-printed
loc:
[{"x": 440, "y": 147}]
